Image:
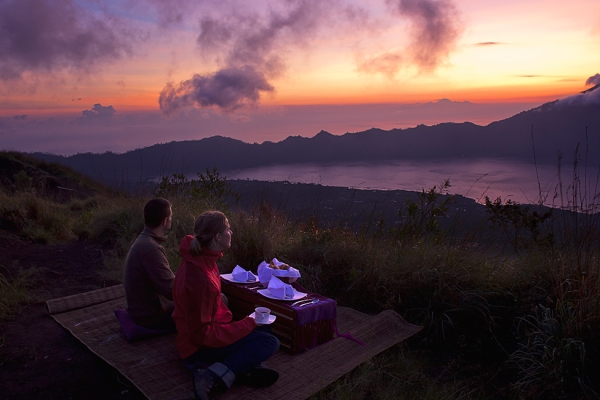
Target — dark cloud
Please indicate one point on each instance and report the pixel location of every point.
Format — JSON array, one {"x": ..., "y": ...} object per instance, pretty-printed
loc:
[
  {"x": 20, "y": 117},
  {"x": 487, "y": 43},
  {"x": 593, "y": 80},
  {"x": 228, "y": 89},
  {"x": 49, "y": 35},
  {"x": 251, "y": 48},
  {"x": 250, "y": 38},
  {"x": 213, "y": 34},
  {"x": 98, "y": 112},
  {"x": 258, "y": 45},
  {"x": 434, "y": 30}
]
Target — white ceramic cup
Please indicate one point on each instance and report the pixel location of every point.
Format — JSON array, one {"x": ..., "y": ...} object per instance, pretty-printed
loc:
[{"x": 261, "y": 315}]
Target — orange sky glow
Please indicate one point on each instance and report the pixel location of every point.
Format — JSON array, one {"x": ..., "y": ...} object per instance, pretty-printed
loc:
[{"x": 72, "y": 70}]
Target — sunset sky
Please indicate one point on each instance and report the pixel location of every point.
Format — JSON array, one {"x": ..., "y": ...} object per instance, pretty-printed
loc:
[{"x": 98, "y": 75}]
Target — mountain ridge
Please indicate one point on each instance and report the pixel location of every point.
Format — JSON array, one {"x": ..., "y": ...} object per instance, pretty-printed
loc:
[{"x": 547, "y": 134}]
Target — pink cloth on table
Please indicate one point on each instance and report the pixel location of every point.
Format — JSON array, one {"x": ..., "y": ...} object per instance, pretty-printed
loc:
[{"x": 323, "y": 310}]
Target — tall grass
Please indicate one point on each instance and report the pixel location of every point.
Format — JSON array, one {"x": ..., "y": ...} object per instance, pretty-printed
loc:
[
  {"x": 35, "y": 218},
  {"x": 557, "y": 351}
]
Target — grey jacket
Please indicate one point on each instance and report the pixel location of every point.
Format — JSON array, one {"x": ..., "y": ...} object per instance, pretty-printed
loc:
[{"x": 146, "y": 278}]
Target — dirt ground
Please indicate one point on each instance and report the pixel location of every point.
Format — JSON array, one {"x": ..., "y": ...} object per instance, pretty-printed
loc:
[{"x": 39, "y": 359}]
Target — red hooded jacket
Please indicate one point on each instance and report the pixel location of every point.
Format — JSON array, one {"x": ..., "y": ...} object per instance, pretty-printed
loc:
[{"x": 202, "y": 319}]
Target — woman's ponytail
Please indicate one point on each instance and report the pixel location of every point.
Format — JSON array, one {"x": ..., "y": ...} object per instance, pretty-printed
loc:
[
  {"x": 195, "y": 247},
  {"x": 206, "y": 226}
]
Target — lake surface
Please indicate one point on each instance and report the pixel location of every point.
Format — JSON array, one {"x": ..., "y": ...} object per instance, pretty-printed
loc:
[{"x": 475, "y": 179}]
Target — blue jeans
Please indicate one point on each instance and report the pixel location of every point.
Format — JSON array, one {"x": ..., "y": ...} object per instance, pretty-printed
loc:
[{"x": 238, "y": 357}]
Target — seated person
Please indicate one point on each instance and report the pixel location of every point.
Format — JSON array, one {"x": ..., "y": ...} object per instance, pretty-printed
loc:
[
  {"x": 207, "y": 335},
  {"x": 147, "y": 276}
]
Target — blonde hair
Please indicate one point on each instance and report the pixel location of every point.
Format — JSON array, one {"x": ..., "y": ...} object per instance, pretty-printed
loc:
[{"x": 207, "y": 225}]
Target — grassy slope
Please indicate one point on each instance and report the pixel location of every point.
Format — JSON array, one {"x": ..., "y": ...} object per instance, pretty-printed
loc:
[{"x": 497, "y": 324}]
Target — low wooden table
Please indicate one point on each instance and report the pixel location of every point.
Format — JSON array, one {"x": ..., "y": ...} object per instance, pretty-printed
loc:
[{"x": 298, "y": 329}]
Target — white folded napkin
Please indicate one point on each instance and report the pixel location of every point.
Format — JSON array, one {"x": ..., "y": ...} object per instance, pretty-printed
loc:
[
  {"x": 241, "y": 275},
  {"x": 279, "y": 289}
]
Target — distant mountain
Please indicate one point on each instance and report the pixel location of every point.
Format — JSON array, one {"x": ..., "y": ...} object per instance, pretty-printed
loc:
[{"x": 553, "y": 129}]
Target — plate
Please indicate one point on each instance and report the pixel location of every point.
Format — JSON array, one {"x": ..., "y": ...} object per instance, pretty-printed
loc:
[
  {"x": 297, "y": 295},
  {"x": 229, "y": 277},
  {"x": 271, "y": 319}
]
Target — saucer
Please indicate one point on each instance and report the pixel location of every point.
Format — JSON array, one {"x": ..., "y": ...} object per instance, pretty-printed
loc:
[
  {"x": 297, "y": 295},
  {"x": 271, "y": 319}
]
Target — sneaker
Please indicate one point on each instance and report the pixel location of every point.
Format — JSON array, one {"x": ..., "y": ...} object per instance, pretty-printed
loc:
[
  {"x": 206, "y": 384},
  {"x": 259, "y": 377}
]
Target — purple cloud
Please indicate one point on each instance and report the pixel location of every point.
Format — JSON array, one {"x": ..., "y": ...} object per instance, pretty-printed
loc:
[
  {"x": 434, "y": 27},
  {"x": 228, "y": 89},
  {"x": 251, "y": 49},
  {"x": 169, "y": 12},
  {"x": 213, "y": 34},
  {"x": 98, "y": 112},
  {"x": 250, "y": 38},
  {"x": 593, "y": 80},
  {"x": 590, "y": 96},
  {"x": 43, "y": 36}
]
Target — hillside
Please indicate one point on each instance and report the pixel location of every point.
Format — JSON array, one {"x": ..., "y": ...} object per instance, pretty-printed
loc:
[{"x": 20, "y": 172}]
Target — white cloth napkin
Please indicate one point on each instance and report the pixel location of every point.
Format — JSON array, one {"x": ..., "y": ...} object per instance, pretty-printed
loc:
[
  {"x": 265, "y": 272},
  {"x": 241, "y": 275},
  {"x": 279, "y": 289}
]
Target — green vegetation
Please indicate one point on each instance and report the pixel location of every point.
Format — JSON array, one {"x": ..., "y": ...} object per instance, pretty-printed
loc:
[{"x": 510, "y": 310}]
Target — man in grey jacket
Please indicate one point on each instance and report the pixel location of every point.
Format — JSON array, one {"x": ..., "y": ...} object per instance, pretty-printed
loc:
[{"x": 147, "y": 276}]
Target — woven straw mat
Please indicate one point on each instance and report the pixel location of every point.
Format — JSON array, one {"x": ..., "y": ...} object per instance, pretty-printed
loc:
[{"x": 155, "y": 368}]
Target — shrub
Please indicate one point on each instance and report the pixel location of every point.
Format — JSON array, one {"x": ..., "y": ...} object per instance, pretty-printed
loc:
[
  {"x": 210, "y": 190},
  {"x": 520, "y": 225},
  {"x": 420, "y": 218}
]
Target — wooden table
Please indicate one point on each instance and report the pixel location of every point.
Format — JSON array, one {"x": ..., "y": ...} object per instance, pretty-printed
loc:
[{"x": 298, "y": 329}]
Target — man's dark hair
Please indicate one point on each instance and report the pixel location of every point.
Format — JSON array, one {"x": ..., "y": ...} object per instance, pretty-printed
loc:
[{"x": 155, "y": 212}]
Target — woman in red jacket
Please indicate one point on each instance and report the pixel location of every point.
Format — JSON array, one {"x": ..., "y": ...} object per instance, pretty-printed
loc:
[{"x": 207, "y": 335}]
